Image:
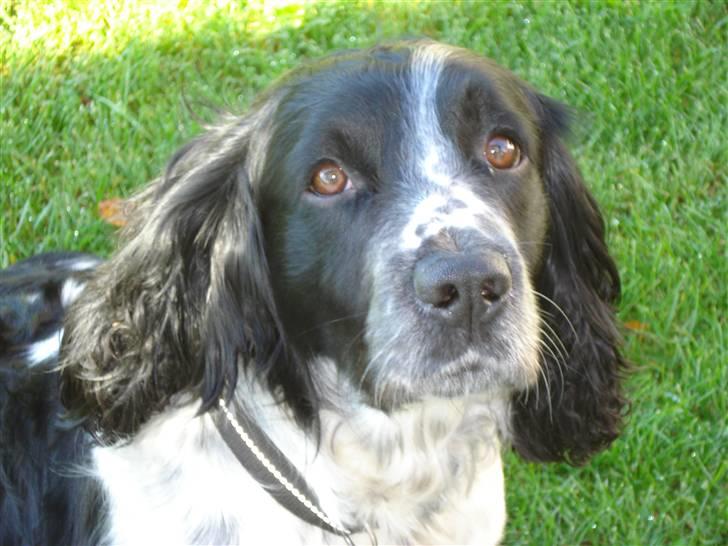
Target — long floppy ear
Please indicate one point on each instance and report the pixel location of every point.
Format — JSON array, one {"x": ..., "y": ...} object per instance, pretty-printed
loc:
[
  {"x": 577, "y": 408},
  {"x": 185, "y": 301}
]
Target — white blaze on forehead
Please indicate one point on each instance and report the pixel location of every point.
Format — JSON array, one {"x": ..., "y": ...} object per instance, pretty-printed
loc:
[
  {"x": 431, "y": 146},
  {"x": 443, "y": 199},
  {"x": 433, "y": 168}
]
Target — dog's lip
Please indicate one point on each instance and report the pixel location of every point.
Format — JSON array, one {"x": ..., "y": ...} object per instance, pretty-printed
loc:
[{"x": 468, "y": 363}]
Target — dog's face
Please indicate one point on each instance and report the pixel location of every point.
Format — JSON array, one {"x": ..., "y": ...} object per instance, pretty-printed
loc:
[
  {"x": 404, "y": 216},
  {"x": 408, "y": 213}
]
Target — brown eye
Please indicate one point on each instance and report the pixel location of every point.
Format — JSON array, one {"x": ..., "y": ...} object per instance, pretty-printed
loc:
[
  {"x": 329, "y": 179},
  {"x": 501, "y": 152}
]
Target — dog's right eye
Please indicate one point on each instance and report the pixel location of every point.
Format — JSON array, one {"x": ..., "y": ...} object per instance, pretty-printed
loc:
[
  {"x": 329, "y": 179},
  {"x": 502, "y": 152}
]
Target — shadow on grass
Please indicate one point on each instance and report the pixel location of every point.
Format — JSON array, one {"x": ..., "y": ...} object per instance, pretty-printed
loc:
[{"x": 95, "y": 118}]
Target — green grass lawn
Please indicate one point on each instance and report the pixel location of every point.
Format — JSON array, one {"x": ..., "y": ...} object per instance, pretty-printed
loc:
[{"x": 93, "y": 102}]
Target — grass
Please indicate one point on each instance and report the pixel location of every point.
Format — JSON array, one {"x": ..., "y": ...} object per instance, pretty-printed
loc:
[{"x": 92, "y": 105}]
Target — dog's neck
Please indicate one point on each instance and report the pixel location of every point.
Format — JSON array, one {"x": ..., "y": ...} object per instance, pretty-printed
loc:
[
  {"x": 429, "y": 472},
  {"x": 409, "y": 475}
]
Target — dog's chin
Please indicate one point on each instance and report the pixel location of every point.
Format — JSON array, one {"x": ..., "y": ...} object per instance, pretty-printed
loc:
[{"x": 471, "y": 374}]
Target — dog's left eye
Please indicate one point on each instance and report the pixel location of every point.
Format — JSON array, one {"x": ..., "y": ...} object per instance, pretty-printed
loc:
[
  {"x": 329, "y": 179},
  {"x": 502, "y": 152}
]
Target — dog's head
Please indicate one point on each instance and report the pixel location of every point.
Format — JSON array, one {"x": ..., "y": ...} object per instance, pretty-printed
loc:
[{"x": 408, "y": 213}]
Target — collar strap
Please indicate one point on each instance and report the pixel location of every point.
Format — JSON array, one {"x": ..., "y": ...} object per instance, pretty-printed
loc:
[{"x": 272, "y": 469}]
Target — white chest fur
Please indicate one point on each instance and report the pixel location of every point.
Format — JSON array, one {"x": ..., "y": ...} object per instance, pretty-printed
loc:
[{"x": 428, "y": 474}]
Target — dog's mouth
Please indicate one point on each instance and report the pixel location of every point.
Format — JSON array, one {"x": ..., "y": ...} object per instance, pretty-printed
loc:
[
  {"x": 470, "y": 363},
  {"x": 470, "y": 373},
  {"x": 476, "y": 371}
]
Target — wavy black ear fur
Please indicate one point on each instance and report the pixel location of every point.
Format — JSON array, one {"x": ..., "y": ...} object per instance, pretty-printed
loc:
[
  {"x": 578, "y": 406},
  {"x": 186, "y": 300}
]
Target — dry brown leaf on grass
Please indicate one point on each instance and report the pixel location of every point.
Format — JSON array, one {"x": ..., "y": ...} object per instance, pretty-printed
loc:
[
  {"x": 114, "y": 211},
  {"x": 636, "y": 326}
]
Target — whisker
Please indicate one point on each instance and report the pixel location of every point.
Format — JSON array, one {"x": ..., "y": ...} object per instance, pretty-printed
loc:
[
  {"x": 548, "y": 343},
  {"x": 559, "y": 309},
  {"x": 329, "y": 322},
  {"x": 554, "y": 338},
  {"x": 370, "y": 364},
  {"x": 548, "y": 394}
]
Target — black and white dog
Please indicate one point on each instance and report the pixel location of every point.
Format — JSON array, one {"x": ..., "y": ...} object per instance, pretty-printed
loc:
[{"x": 324, "y": 323}]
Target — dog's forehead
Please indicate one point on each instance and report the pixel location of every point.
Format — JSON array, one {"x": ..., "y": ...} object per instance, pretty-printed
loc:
[
  {"x": 391, "y": 106},
  {"x": 385, "y": 83}
]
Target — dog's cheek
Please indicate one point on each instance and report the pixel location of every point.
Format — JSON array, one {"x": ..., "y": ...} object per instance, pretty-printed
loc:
[{"x": 527, "y": 211}]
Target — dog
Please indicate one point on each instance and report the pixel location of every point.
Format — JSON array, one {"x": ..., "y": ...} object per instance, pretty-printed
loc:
[{"x": 324, "y": 323}]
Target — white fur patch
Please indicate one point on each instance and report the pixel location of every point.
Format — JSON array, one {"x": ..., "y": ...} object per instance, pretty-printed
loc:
[
  {"x": 46, "y": 349},
  {"x": 177, "y": 482},
  {"x": 459, "y": 209},
  {"x": 83, "y": 264},
  {"x": 432, "y": 147},
  {"x": 444, "y": 201},
  {"x": 427, "y": 474},
  {"x": 70, "y": 291}
]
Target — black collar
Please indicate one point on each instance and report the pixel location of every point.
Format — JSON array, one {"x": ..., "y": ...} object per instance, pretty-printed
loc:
[{"x": 271, "y": 468}]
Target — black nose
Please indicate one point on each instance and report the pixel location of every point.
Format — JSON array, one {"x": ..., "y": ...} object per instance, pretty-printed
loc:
[{"x": 462, "y": 286}]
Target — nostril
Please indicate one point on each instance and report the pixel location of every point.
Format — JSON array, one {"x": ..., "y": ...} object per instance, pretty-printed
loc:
[
  {"x": 494, "y": 288},
  {"x": 487, "y": 292},
  {"x": 447, "y": 294},
  {"x": 434, "y": 282}
]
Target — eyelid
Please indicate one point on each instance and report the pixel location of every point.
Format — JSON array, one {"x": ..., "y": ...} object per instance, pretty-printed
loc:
[{"x": 507, "y": 131}]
